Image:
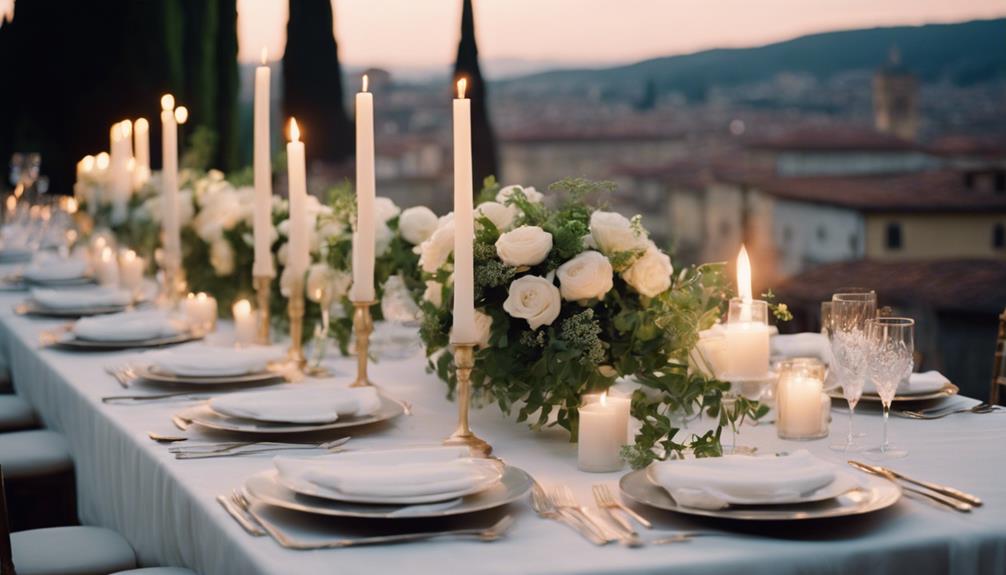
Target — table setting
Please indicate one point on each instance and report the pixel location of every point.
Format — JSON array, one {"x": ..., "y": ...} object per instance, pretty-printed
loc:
[{"x": 525, "y": 383}]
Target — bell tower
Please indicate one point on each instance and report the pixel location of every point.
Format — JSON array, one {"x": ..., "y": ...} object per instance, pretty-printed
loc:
[{"x": 895, "y": 99}]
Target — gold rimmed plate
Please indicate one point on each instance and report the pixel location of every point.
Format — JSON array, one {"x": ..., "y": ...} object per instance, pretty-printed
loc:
[
  {"x": 152, "y": 374},
  {"x": 948, "y": 390},
  {"x": 32, "y": 307},
  {"x": 873, "y": 494},
  {"x": 71, "y": 341},
  {"x": 514, "y": 484},
  {"x": 206, "y": 417}
]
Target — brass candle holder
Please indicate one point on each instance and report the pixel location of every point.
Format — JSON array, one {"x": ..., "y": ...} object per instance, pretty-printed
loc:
[
  {"x": 363, "y": 326},
  {"x": 174, "y": 283},
  {"x": 464, "y": 361},
  {"x": 263, "y": 285},
  {"x": 295, "y": 309}
]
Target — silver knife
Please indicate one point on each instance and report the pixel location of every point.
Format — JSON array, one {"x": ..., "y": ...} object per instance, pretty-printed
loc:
[{"x": 942, "y": 489}]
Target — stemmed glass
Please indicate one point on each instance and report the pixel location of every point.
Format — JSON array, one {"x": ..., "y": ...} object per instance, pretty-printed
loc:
[
  {"x": 850, "y": 312},
  {"x": 892, "y": 345}
]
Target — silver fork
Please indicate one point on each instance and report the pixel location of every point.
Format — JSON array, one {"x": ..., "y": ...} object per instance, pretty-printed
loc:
[
  {"x": 491, "y": 533},
  {"x": 607, "y": 501},
  {"x": 253, "y": 448},
  {"x": 122, "y": 374},
  {"x": 543, "y": 506},
  {"x": 980, "y": 408},
  {"x": 563, "y": 498}
]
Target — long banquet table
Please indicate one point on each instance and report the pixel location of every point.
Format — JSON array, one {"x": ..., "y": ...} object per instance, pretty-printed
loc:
[{"x": 167, "y": 510}]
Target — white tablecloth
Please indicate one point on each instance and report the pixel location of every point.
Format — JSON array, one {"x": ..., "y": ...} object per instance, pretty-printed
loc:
[{"x": 166, "y": 508}]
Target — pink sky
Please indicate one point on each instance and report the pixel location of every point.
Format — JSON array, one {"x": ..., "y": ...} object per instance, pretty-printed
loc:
[{"x": 424, "y": 33}]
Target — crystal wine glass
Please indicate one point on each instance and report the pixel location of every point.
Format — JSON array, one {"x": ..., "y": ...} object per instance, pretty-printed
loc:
[
  {"x": 892, "y": 345},
  {"x": 849, "y": 313}
]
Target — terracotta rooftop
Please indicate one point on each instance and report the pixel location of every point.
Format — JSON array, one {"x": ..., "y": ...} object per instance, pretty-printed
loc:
[
  {"x": 559, "y": 135},
  {"x": 937, "y": 191},
  {"x": 832, "y": 139},
  {"x": 974, "y": 285}
]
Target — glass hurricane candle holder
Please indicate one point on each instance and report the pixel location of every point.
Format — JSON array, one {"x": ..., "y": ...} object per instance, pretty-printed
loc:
[
  {"x": 747, "y": 340},
  {"x": 800, "y": 399}
]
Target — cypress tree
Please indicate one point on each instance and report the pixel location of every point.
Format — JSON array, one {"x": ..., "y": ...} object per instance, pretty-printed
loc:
[
  {"x": 484, "y": 161},
  {"x": 312, "y": 81}
]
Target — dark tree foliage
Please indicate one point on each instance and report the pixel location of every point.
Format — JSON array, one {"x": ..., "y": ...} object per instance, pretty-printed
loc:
[
  {"x": 312, "y": 81},
  {"x": 484, "y": 159}
]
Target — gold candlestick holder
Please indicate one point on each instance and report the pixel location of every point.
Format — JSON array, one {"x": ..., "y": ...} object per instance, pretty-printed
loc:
[
  {"x": 174, "y": 284},
  {"x": 263, "y": 285},
  {"x": 295, "y": 309},
  {"x": 363, "y": 326},
  {"x": 464, "y": 361}
]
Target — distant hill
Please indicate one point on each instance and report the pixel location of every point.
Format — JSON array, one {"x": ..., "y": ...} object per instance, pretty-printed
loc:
[{"x": 964, "y": 54}]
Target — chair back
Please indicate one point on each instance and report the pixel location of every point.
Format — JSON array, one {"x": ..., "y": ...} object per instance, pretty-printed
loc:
[
  {"x": 6, "y": 552},
  {"x": 999, "y": 363}
]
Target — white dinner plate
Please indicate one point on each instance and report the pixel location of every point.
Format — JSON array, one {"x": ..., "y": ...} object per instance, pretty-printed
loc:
[
  {"x": 844, "y": 481},
  {"x": 151, "y": 373},
  {"x": 263, "y": 486},
  {"x": 491, "y": 469},
  {"x": 71, "y": 341},
  {"x": 32, "y": 307},
  {"x": 873, "y": 494},
  {"x": 948, "y": 390},
  {"x": 206, "y": 417}
]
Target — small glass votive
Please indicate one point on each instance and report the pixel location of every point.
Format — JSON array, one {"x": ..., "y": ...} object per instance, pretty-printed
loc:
[
  {"x": 742, "y": 311},
  {"x": 603, "y": 432},
  {"x": 746, "y": 336},
  {"x": 803, "y": 407}
]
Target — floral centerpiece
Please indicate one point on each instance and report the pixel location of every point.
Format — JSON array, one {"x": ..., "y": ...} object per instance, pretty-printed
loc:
[{"x": 570, "y": 299}]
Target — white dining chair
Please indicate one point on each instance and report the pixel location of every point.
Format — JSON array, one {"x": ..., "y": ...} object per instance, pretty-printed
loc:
[{"x": 16, "y": 414}]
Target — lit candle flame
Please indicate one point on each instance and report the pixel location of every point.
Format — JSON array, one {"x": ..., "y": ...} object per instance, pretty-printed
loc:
[
  {"x": 242, "y": 308},
  {"x": 294, "y": 130},
  {"x": 462, "y": 85},
  {"x": 87, "y": 164},
  {"x": 744, "y": 275},
  {"x": 126, "y": 128},
  {"x": 141, "y": 125},
  {"x": 265, "y": 55},
  {"x": 181, "y": 114},
  {"x": 101, "y": 162},
  {"x": 106, "y": 254},
  {"x": 71, "y": 205},
  {"x": 366, "y": 82},
  {"x": 167, "y": 102},
  {"x": 129, "y": 255}
]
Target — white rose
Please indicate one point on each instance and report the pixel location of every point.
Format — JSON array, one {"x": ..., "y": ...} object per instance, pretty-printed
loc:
[
  {"x": 434, "y": 293},
  {"x": 587, "y": 276},
  {"x": 532, "y": 195},
  {"x": 319, "y": 280},
  {"x": 382, "y": 238},
  {"x": 501, "y": 216},
  {"x": 331, "y": 229},
  {"x": 484, "y": 327},
  {"x": 525, "y": 246},
  {"x": 613, "y": 232},
  {"x": 434, "y": 252},
  {"x": 535, "y": 299},
  {"x": 385, "y": 209},
  {"x": 222, "y": 257},
  {"x": 650, "y": 275},
  {"x": 416, "y": 224},
  {"x": 282, "y": 252}
]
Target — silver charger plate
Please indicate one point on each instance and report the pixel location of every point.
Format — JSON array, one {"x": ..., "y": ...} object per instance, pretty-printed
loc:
[
  {"x": 149, "y": 373},
  {"x": 206, "y": 417},
  {"x": 948, "y": 390},
  {"x": 515, "y": 484},
  {"x": 32, "y": 307},
  {"x": 875, "y": 494},
  {"x": 70, "y": 341},
  {"x": 70, "y": 282}
]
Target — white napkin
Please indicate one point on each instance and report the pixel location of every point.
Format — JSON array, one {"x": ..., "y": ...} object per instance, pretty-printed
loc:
[
  {"x": 55, "y": 269},
  {"x": 307, "y": 405},
  {"x": 81, "y": 298},
  {"x": 128, "y": 326},
  {"x": 396, "y": 473},
  {"x": 715, "y": 482},
  {"x": 212, "y": 361},
  {"x": 917, "y": 384},
  {"x": 807, "y": 344}
]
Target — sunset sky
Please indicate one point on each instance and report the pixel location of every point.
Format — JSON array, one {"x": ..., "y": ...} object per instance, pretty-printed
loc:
[{"x": 401, "y": 34}]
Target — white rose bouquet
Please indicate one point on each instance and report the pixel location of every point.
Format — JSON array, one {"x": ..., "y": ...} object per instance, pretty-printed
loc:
[{"x": 568, "y": 300}]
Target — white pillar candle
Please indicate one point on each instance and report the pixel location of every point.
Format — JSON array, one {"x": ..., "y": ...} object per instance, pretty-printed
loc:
[
  {"x": 746, "y": 333},
  {"x": 298, "y": 254},
  {"x": 363, "y": 239},
  {"x": 201, "y": 311},
  {"x": 800, "y": 406},
  {"x": 141, "y": 152},
  {"x": 245, "y": 324},
  {"x": 106, "y": 270},
  {"x": 262, "y": 218},
  {"x": 130, "y": 271},
  {"x": 169, "y": 174},
  {"x": 621, "y": 405},
  {"x": 601, "y": 437},
  {"x": 120, "y": 179},
  {"x": 464, "y": 222}
]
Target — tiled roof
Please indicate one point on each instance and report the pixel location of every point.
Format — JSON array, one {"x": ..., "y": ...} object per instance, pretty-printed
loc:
[
  {"x": 833, "y": 139},
  {"x": 937, "y": 191},
  {"x": 975, "y": 285}
]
